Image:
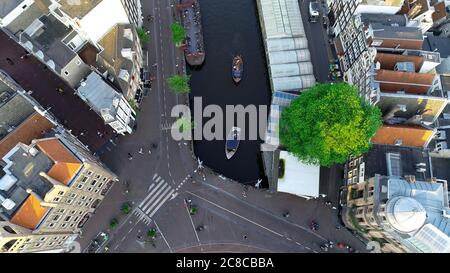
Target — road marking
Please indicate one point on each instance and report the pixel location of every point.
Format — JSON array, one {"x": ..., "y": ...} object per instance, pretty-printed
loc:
[
  {"x": 193, "y": 227},
  {"x": 150, "y": 194},
  {"x": 164, "y": 237},
  {"x": 151, "y": 186},
  {"x": 157, "y": 179},
  {"x": 164, "y": 185},
  {"x": 162, "y": 203},
  {"x": 238, "y": 215},
  {"x": 154, "y": 176},
  {"x": 161, "y": 196}
]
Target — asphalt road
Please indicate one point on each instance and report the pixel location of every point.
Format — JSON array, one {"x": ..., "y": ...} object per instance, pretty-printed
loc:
[{"x": 159, "y": 182}]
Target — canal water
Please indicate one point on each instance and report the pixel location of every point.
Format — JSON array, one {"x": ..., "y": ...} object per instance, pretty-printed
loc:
[{"x": 231, "y": 27}]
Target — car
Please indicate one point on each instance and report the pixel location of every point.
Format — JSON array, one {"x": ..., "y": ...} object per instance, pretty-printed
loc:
[{"x": 313, "y": 11}]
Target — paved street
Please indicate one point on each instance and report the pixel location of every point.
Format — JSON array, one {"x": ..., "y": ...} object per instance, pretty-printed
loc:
[
  {"x": 321, "y": 54},
  {"x": 42, "y": 83},
  {"x": 163, "y": 174}
]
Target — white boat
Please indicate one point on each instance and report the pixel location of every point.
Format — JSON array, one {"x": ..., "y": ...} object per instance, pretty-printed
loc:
[{"x": 232, "y": 142}]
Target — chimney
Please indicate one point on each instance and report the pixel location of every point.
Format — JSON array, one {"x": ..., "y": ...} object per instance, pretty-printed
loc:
[
  {"x": 395, "y": 109},
  {"x": 416, "y": 119}
]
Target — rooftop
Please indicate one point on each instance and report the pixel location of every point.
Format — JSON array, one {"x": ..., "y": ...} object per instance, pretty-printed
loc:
[
  {"x": 408, "y": 135},
  {"x": 408, "y": 82},
  {"x": 68, "y": 108},
  {"x": 111, "y": 59},
  {"x": 34, "y": 127},
  {"x": 66, "y": 165},
  {"x": 22, "y": 173},
  {"x": 48, "y": 35},
  {"x": 388, "y": 61},
  {"x": 384, "y": 19},
  {"x": 376, "y": 161},
  {"x": 7, "y": 6},
  {"x": 79, "y": 8},
  {"x": 439, "y": 44},
  {"x": 13, "y": 112}
]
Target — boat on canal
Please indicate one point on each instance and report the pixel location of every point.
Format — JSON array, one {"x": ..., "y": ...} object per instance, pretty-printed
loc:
[
  {"x": 194, "y": 51},
  {"x": 232, "y": 142},
  {"x": 237, "y": 71}
]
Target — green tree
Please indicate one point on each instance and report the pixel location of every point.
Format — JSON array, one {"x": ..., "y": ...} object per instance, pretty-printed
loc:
[
  {"x": 143, "y": 36},
  {"x": 179, "y": 83},
  {"x": 328, "y": 123},
  {"x": 151, "y": 233},
  {"x": 178, "y": 33},
  {"x": 125, "y": 208},
  {"x": 114, "y": 223}
]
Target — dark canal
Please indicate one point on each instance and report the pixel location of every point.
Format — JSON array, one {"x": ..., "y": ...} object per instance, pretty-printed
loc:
[{"x": 231, "y": 27}]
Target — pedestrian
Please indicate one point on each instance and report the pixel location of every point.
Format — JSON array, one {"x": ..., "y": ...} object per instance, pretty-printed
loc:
[
  {"x": 130, "y": 157},
  {"x": 245, "y": 237},
  {"x": 333, "y": 208},
  {"x": 141, "y": 151},
  {"x": 150, "y": 152}
]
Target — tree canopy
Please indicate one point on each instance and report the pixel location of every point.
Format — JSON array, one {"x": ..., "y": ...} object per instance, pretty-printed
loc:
[
  {"x": 143, "y": 36},
  {"x": 178, "y": 32},
  {"x": 328, "y": 123},
  {"x": 179, "y": 83}
]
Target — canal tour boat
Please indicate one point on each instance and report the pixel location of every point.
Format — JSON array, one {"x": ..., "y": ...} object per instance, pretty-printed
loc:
[
  {"x": 238, "y": 69},
  {"x": 232, "y": 143}
]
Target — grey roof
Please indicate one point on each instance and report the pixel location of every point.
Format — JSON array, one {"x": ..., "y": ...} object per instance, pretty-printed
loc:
[
  {"x": 439, "y": 44},
  {"x": 13, "y": 112},
  {"x": 403, "y": 33},
  {"x": 99, "y": 94},
  {"x": 7, "y": 6},
  {"x": 384, "y": 19},
  {"x": 26, "y": 169},
  {"x": 375, "y": 161},
  {"x": 50, "y": 40},
  {"x": 445, "y": 82}
]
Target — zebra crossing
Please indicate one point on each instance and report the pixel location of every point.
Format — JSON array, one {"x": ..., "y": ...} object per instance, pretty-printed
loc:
[
  {"x": 166, "y": 125},
  {"x": 159, "y": 192}
]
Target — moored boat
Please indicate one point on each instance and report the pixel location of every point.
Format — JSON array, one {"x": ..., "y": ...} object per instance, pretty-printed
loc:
[
  {"x": 232, "y": 142},
  {"x": 191, "y": 18},
  {"x": 237, "y": 69}
]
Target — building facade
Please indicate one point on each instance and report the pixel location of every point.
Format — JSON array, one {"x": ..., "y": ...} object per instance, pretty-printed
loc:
[{"x": 48, "y": 191}]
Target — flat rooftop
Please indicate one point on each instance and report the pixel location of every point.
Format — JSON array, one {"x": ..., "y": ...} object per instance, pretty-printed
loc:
[
  {"x": 78, "y": 8},
  {"x": 6, "y": 6},
  {"x": 12, "y": 113}
]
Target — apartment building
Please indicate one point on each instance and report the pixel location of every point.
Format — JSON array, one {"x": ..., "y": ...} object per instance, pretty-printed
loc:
[
  {"x": 392, "y": 197},
  {"x": 351, "y": 43},
  {"x": 48, "y": 191}
]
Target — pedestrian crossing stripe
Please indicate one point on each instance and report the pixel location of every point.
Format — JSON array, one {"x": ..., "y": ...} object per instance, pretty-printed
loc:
[{"x": 153, "y": 194}]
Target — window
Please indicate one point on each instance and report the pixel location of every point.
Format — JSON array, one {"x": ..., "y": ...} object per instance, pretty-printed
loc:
[
  {"x": 66, "y": 73},
  {"x": 83, "y": 197},
  {"x": 73, "y": 195},
  {"x": 90, "y": 199},
  {"x": 93, "y": 182},
  {"x": 89, "y": 189},
  {"x": 67, "y": 218},
  {"x": 80, "y": 186},
  {"x": 79, "y": 203},
  {"x": 89, "y": 173},
  {"x": 56, "y": 218},
  {"x": 61, "y": 210},
  {"x": 61, "y": 193},
  {"x": 73, "y": 212},
  {"x": 104, "y": 179},
  {"x": 64, "y": 225},
  {"x": 98, "y": 176},
  {"x": 56, "y": 199},
  {"x": 69, "y": 201},
  {"x": 100, "y": 185},
  {"x": 96, "y": 190},
  {"x": 42, "y": 239},
  {"x": 78, "y": 62},
  {"x": 84, "y": 179},
  {"x": 37, "y": 245},
  {"x": 51, "y": 225}
]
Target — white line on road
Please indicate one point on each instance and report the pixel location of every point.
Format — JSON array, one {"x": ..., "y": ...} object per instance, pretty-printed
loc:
[
  {"x": 193, "y": 227},
  {"x": 161, "y": 203},
  {"x": 150, "y": 194},
  {"x": 157, "y": 200},
  {"x": 164, "y": 237},
  {"x": 155, "y": 196},
  {"x": 238, "y": 215}
]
